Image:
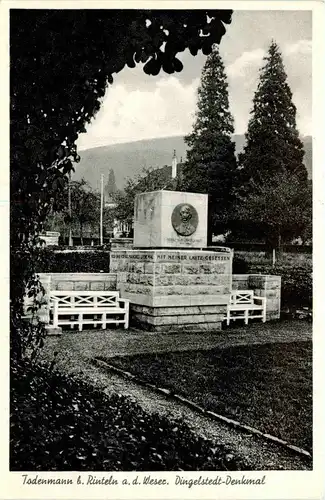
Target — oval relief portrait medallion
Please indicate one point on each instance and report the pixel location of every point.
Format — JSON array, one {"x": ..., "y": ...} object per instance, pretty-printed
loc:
[{"x": 185, "y": 219}]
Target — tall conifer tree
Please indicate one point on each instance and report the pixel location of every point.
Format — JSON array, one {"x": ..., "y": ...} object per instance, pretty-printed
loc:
[
  {"x": 211, "y": 161},
  {"x": 111, "y": 183},
  {"x": 272, "y": 160},
  {"x": 272, "y": 145}
]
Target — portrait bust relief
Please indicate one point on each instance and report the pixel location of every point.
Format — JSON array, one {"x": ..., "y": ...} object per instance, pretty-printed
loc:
[{"x": 185, "y": 219}]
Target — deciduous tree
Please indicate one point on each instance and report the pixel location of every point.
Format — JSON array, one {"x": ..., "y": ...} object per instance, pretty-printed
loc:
[
  {"x": 280, "y": 210},
  {"x": 61, "y": 62},
  {"x": 85, "y": 206},
  {"x": 149, "y": 180}
]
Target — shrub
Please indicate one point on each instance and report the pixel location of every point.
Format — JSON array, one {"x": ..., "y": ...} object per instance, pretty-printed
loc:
[
  {"x": 61, "y": 423},
  {"x": 92, "y": 261},
  {"x": 239, "y": 265},
  {"x": 297, "y": 285}
]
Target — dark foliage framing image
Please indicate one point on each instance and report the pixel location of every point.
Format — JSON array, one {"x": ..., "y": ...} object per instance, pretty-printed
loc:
[{"x": 214, "y": 398}]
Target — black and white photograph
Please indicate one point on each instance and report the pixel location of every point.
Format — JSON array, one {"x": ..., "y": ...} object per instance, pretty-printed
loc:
[{"x": 162, "y": 236}]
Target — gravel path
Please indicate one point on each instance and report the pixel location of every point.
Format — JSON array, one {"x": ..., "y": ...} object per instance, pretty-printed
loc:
[
  {"x": 75, "y": 351},
  {"x": 118, "y": 342}
]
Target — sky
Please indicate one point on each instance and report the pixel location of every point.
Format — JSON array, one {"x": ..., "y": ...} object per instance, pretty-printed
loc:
[{"x": 138, "y": 106}]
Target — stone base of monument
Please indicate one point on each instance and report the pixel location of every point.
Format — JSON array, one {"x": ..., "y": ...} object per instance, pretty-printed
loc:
[
  {"x": 178, "y": 319},
  {"x": 174, "y": 290}
]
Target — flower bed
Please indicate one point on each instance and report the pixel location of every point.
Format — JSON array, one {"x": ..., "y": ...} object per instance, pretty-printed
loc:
[{"x": 60, "y": 423}]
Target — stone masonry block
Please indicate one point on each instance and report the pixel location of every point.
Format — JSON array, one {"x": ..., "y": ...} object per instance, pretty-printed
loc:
[
  {"x": 212, "y": 290},
  {"x": 136, "y": 288},
  {"x": 192, "y": 279},
  {"x": 97, "y": 285},
  {"x": 212, "y": 309},
  {"x": 161, "y": 320},
  {"x": 122, "y": 277},
  {"x": 206, "y": 268},
  {"x": 272, "y": 304},
  {"x": 164, "y": 280},
  {"x": 273, "y": 278},
  {"x": 188, "y": 319},
  {"x": 138, "y": 267},
  {"x": 156, "y": 268},
  {"x": 201, "y": 279},
  {"x": 240, "y": 282},
  {"x": 256, "y": 282},
  {"x": 222, "y": 280},
  {"x": 146, "y": 279},
  {"x": 211, "y": 318},
  {"x": 170, "y": 268},
  {"x": 120, "y": 265},
  {"x": 180, "y": 279},
  {"x": 173, "y": 290},
  {"x": 191, "y": 290},
  {"x": 159, "y": 311},
  {"x": 81, "y": 285},
  {"x": 132, "y": 278},
  {"x": 191, "y": 269},
  {"x": 169, "y": 311},
  {"x": 110, "y": 285},
  {"x": 221, "y": 268},
  {"x": 272, "y": 293},
  {"x": 149, "y": 267},
  {"x": 65, "y": 285},
  {"x": 272, "y": 285}
]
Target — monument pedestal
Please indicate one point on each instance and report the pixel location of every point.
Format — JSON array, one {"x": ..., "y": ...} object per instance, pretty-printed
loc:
[{"x": 174, "y": 290}]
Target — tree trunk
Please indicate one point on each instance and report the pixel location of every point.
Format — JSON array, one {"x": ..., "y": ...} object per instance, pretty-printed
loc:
[
  {"x": 279, "y": 244},
  {"x": 270, "y": 245},
  {"x": 273, "y": 244},
  {"x": 81, "y": 235}
]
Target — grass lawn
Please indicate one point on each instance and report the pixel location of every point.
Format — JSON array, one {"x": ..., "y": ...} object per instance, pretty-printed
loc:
[{"x": 266, "y": 386}]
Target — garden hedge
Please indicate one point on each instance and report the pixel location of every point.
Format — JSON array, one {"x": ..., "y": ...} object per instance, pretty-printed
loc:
[
  {"x": 296, "y": 280},
  {"x": 59, "y": 423},
  {"x": 239, "y": 265},
  {"x": 89, "y": 261}
]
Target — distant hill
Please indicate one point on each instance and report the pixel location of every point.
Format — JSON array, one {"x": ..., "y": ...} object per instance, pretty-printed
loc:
[{"x": 128, "y": 159}]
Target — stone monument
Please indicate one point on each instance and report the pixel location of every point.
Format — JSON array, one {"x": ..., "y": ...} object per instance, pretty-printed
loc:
[
  {"x": 169, "y": 219},
  {"x": 173, "y": 282}
]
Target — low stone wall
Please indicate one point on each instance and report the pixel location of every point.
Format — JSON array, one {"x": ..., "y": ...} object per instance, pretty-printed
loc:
[
  {"x": 81, "y": 281},
  {"x": 199, "y": 312},
  {"x": 126, "y": 243},
  {"x": 71, "y": 282}
]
